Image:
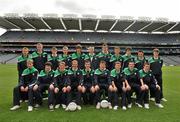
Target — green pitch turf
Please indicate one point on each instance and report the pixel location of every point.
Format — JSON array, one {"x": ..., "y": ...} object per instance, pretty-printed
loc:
[{"x": 171, "y": 112}]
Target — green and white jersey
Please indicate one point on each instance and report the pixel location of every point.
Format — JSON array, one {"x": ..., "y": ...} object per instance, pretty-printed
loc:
[
  {"x": 131, "y": 76},
  {"x": 93, "y": 59},
  {"x": 45, "y": 78},
  {"x": 54, "y": 60},
  {"x": 126, "y": 59},
  {"x": 102, "y": 76},
  {"x": 39, "y": 60},
  {"x": 156, "y": 65},
  {"x": 79, "y": 58},
  {"x": 29, "y": 76},
  {"x": 139, "y": 63},
  {"x": 22, "y": 64},
  {"x": 147, "y": 77}
]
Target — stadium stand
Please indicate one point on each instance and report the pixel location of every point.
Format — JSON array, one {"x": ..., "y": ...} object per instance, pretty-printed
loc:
[
  {"x": 89, "y": 30},
  {"x": 4, "y": 58}
]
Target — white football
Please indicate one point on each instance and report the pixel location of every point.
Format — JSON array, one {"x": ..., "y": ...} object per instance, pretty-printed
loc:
[
  {"x": 104, "y": 103},
  {"x": 72, "y": 106}
]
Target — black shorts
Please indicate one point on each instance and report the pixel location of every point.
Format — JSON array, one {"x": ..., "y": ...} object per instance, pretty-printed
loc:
[
  {"x": 103, "y": 86},
  {"x": 87, "y": 86},
  {"x": 43, "y": 87},
  {"x": 74, "y": 86}
]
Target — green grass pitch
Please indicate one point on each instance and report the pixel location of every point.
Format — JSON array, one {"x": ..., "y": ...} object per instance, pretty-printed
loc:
[{"x": 171, "y": 112}]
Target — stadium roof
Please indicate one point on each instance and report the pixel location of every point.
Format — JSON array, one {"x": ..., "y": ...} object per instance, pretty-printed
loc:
[{"x": 87, "y": 23}]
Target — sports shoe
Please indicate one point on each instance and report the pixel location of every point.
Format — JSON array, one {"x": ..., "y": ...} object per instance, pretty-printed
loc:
[
  {"x": 98, "y": 106},
  {"x": 51, "y": 107},
  {"x": 25, "y": 101},
  {"x": 15, "y": 107},
  {"x": 164, "y": 100},
  {"x": 130, "y": 105},
  {"x": 63, "y": 106},
  {"x": 78, "y": 107},
  {"x": 152, "y": 99},
  {"x": 30, "y": 108},
  {"x": 37, "y": 106},
  {"x": 124, "y": 108},
  {"x": 139, "y": 105},
  {"x": 67, "y": 109},
  {"x": 159, "y": 105},
  {"x": 109, "y": 105},
  {"x": 115, "y": 107},
  {"x": 57, "y": 106},
  {"x": 46, "y": 98},
  {"x": 146, "y": 106}
]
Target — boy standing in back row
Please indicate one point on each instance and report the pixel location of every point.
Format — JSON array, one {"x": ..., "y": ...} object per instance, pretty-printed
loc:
[
  {"x": 39, "y": 57},
  {"x": 156, "y": 64}
]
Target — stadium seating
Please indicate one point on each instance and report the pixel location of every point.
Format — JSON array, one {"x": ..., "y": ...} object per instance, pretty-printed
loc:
[
  {"x": 4, "y": 58},
  {"x": 124, "y": 38},
  {"x": 13, "y": 41}
]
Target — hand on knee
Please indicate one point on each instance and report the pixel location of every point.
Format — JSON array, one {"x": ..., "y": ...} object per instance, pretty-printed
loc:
[
  {"x": 158, "y": 87},
  {"x": 83, "y": 89},
  {"x": 96, "y": 88},
  {"x": 22, "y": 89},
  {"x": 92, "y": 90},
  {"x": 64, "y": 89},
  {"x": 35, "y": 87},
  {"x": 51, "y": 87},
  {"x": 68, "y": 88},
  {"x": 115, "y": 89},
  {"x": 111, "y": 88},
  {"x": 146, "y": 87},
  {"x": 124, "y": 89},
  {"x": 79, "y": 88},
  {"x": 56, "y": 90},
  {"x": 142, "y": 88},
  {"x": 26, "y": 89},
  {"x": 128, "y": 88}
]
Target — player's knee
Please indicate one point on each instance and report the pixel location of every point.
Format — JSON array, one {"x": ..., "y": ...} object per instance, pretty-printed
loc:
[
  {"x": 115, "y": 89},
  {"x": 79, "y": 88},
  {"x": 111, "y": 88},
  {"x": 51, "y": 87},
  {"x": 68, "y": 89},
  {"x": 97, "y": 88},
  {"x": 64, "y": 90},
  {"x": 83, "y": 89},
  {"x": 56, "y": 90},
  {"x": 92, "y": 90}
]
